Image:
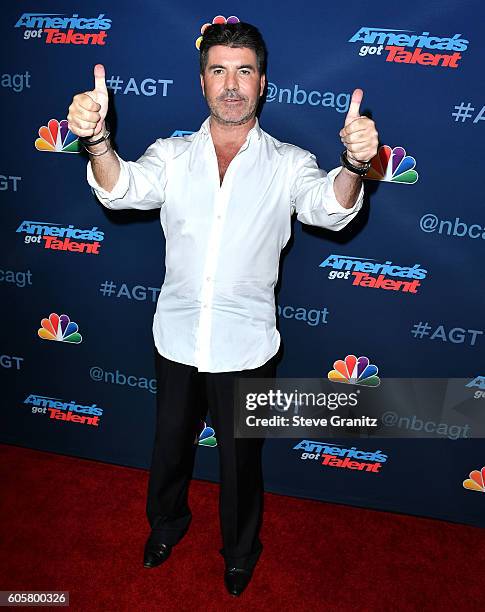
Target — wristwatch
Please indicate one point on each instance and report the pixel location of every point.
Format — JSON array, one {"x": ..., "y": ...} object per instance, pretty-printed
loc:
[{"x": 360, "y": 170}]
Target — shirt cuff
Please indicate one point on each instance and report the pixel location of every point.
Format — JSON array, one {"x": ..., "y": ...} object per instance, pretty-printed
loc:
[
  {"x": 118, "y": 191},
  {"x": 333, "y": 205}
]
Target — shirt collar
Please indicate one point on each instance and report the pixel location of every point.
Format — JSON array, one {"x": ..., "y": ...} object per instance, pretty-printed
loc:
[{"x": 255, "y": 130}]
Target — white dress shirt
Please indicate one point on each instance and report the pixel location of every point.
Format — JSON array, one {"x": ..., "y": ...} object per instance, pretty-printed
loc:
[{"x": 216, "y": 308}]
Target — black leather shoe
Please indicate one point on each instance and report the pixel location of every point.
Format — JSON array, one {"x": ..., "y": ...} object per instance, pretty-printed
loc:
[
  {"x": 156, "y": 554},
  {"x": 237, "y": 579}
]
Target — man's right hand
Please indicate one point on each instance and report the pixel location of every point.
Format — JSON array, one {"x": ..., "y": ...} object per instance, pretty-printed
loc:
[{"x": 87, "y": 112}]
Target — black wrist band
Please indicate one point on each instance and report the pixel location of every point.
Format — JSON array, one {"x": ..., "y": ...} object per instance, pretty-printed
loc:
[
  {"x": 88, "y": 143},
  {"x": 360, "y": 170}
]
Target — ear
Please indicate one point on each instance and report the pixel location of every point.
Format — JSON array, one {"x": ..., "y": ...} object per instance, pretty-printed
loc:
[
  {"x": 202, "y": 84},
  {"x": 262, "y": 83}
]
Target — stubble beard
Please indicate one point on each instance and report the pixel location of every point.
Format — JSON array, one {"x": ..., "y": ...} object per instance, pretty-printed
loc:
[{"x": 216, "y": 105}]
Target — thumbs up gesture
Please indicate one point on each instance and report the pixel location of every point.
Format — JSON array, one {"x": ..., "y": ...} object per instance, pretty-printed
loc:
[
  {"x": 87, "y": 111},
  {"x": 359, "y": 134}
]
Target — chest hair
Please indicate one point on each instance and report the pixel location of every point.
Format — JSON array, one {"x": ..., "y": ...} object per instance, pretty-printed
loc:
[{"x": 224, "y": 158}]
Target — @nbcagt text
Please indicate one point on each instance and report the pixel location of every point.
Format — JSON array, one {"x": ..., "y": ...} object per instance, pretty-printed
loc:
[{"x": 282, "y": 401}]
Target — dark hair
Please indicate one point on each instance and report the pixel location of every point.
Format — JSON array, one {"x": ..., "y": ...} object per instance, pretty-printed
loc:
[{"x": 233, "y": 35}]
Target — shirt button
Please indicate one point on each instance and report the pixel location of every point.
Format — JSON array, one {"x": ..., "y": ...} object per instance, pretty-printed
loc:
[
  {"x": 219, "y": 217},
  {"x": 208, "y": 278},
  {"x": 204, "y": 305}
]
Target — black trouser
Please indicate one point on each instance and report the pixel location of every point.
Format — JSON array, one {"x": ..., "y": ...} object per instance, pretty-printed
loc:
[{"x": 182, "y": 399}]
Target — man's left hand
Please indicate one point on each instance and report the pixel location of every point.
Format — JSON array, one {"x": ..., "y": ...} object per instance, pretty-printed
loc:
[{"x": 359, "y": 134}]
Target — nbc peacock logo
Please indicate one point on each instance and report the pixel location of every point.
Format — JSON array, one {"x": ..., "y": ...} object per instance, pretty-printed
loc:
[
  {"x": 59, "y": 329},
  {"x": 218, "y": 19},
  {"x": 56, "y": 137},
  {"x": 393, "y": 166},
  {"x": 206, "y": 436},
  {"x": 476, "y": 481},
  {"x": 355, "y": 371}
]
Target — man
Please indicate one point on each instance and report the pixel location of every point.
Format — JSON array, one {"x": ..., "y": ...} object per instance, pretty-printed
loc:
[{"x": 226, "y": 195}]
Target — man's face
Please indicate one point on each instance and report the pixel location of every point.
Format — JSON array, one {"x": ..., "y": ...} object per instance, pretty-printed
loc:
[{"x": 232, "y": 84}]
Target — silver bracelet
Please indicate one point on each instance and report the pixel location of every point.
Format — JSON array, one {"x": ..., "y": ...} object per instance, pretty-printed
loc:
[{"x": 98, "y": 154}]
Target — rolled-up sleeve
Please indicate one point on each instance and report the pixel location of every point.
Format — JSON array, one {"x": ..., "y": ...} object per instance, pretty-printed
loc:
[
  {"x": 141, "y": 184},
  {"x": 313, "y": 196}
]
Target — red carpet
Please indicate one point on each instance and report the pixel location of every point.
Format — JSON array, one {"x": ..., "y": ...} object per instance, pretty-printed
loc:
[{"x": 78, "y": 525}]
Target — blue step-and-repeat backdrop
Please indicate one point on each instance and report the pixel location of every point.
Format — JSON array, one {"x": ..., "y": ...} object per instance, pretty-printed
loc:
[{"x": 79, "y": 283}]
